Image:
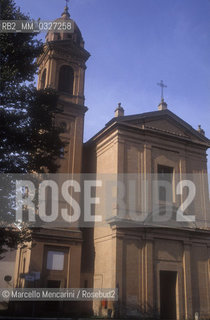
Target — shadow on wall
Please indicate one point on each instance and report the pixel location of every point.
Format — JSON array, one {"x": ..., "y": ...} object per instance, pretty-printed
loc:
[{"x": 117, "y": 310}]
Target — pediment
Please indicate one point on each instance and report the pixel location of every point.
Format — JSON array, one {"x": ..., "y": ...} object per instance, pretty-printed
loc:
[
  {"x": 167, "y": 126},
  {"x": 165, "y": 122}
]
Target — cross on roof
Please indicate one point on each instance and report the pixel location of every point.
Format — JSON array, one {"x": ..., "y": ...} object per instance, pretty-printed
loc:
[{"x": 162, "y": 85}]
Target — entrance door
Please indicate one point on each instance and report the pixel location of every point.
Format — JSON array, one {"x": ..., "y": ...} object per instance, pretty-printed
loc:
[
  {"x": 168, "y": 295},
  {"x": 55, "y": 267},
  {"x": 54, "y": 275}
]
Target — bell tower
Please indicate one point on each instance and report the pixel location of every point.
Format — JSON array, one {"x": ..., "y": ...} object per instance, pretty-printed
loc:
[
  {"x": 55, "y": 252},
  {"x": 62, "y": 67}
]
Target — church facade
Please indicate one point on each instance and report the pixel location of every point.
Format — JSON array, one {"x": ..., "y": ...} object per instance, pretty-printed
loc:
[{"x": 159, "y": 271}]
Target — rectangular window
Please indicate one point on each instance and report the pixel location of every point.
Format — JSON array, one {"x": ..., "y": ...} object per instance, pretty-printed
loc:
[
  {"x": 55, "y": 260},
  {"x": 165, "y": 178}
]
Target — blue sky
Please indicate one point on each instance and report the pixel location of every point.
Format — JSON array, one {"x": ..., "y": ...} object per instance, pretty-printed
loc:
[{"x": 133, "y": 45}]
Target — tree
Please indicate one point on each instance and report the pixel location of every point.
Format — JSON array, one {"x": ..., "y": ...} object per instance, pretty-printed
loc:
[{"x": 30, "y": 139}]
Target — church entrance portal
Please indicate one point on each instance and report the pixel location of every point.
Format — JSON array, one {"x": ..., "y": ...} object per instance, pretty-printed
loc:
[{"x": 168, "y": 281}]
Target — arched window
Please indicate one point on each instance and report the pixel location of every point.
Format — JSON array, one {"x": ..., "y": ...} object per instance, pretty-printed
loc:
[
  {"x": 43, "y": 79},
  {"x": 66, "y": 79}
]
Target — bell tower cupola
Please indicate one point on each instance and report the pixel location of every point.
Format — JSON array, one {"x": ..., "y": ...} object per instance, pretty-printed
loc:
[{"x": 63, "y": 63}]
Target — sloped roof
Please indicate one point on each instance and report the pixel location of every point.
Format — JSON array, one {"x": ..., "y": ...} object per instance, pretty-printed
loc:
[{"x": 137, "y": 119}]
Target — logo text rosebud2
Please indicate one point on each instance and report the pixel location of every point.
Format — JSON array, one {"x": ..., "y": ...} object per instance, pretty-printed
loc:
[{"x": 65, "y": 199}]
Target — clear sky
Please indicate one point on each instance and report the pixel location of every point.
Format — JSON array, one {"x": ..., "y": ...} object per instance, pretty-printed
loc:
[{"x": 133, "y": 45}]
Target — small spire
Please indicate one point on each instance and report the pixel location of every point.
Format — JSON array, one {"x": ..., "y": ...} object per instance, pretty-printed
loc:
[
  {"x": 163, "y": 105},
  {"x": 162, "y": 85},
  {"x": 119, "y": 112},
  {"x": 200, "y": 130},
  {"x": 66, "y": 13}
]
